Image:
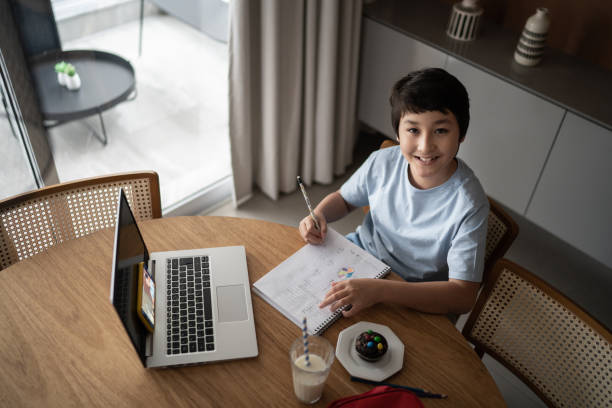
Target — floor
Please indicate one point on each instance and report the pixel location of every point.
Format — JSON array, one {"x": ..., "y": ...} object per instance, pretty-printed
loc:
[
  {"x": 178, "y": 123},
  {"x": 559, "y": 266},
  {"x": 16, "y": 174}
]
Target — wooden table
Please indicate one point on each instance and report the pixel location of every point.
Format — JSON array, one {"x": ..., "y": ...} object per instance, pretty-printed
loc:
[{"x": 61, "y": 342}]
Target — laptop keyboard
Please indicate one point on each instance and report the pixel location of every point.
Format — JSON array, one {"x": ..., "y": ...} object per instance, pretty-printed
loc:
[{"x": 190, "y": 325}]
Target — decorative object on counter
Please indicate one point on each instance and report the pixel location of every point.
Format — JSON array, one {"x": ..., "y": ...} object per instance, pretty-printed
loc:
[
  {"x": 73, "y": 81},
  {"x": 531, "y": 45},
  {"x": 464, "y": 19}
]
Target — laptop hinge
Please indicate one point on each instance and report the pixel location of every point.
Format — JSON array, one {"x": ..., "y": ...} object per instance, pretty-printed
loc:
[{"x": 149, "y": 345}]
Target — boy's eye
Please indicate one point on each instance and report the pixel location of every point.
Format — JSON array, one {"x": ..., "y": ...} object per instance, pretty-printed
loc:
[
  {"x": 441, "y": 130},
  {"x": 413, "y": 130}
]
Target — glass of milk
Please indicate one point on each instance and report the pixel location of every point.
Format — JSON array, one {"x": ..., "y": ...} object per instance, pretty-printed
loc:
[{"x": 308, "y": 381}]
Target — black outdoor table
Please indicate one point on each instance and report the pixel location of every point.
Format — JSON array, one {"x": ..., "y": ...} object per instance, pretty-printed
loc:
[{"x": 106, "y": 80}]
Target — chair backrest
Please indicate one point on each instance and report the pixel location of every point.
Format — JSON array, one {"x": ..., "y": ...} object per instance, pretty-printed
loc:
[
  {"x": 550, "y": 343},
  {"x": 501, "y": 232},
  {"x": 37, "y": 28},
  {"x": 501, "y": 228},
  {"x": 39, "y": 219}
]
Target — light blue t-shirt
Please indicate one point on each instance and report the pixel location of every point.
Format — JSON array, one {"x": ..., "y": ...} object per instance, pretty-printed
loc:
[{"x": 423, "y": 235}]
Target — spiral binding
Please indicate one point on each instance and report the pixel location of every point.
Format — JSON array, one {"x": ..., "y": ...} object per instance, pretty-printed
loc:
[{"x": 338, "y": 313}]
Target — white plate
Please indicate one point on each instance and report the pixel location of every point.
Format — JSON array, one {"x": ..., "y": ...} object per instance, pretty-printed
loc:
[{"x": 379, "y": 370}]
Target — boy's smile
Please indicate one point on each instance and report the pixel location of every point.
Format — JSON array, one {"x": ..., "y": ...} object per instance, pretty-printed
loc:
[{"x": 429, "y": 141}]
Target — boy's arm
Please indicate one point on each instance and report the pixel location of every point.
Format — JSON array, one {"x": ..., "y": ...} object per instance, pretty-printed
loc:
[
  {"x": 331, "y": 208},
  {"x": 452, "y": 296}
]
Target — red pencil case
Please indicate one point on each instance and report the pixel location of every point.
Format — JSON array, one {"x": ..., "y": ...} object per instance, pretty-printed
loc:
[{"x": 381, "y": 396}]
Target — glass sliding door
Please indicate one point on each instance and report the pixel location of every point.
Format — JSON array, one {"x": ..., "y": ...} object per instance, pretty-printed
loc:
[
  {"x": 17, "y": 163},
  {"x": 174, "y": 120},
  {"x": 176, "y": 123}
]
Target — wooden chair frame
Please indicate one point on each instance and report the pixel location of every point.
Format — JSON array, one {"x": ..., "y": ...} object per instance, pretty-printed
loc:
[
  {"x": 486, "y": 322},
  {"x": 506, "y": 239},
  {"x": 35, "y": 220}
]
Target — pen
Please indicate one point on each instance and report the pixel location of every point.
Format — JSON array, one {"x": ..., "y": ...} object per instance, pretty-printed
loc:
[
  {"x": 418, "y": 391},
  {"x": 299, "y": 180}
]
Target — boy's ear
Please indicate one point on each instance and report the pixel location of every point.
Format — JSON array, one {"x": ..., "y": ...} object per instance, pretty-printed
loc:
[{"x": 461, "y": 139}]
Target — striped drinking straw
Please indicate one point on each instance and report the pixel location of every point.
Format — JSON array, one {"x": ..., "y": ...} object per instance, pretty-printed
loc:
[{"x": 305, "y": 336}]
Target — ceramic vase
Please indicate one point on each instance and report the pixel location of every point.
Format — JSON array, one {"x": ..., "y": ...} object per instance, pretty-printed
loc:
[
  {"x": 73, "y": 82},
  {"x": 530, "y": 47},
  {"x": 464, "y": 19}
]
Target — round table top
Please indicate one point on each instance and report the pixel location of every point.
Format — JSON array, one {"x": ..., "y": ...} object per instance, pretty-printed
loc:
[
  {"x": 62, "y": 342},
  {"x": 106, "y": 80}
]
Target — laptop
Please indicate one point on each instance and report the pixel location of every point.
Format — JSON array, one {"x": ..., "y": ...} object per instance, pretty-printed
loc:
[{"x": 199, "y": 303}]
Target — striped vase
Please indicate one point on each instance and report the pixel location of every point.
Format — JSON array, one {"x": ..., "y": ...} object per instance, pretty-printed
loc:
[
  {"x": 463, "y": 22},
  {"x": 531, "y": 45}
]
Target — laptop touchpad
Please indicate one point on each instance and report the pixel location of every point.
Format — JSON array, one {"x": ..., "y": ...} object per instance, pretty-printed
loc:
[{"x": 231, "y": 303}]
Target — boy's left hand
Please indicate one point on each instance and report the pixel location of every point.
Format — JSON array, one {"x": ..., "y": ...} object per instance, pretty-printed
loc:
[{"x": 360, "y": 293}]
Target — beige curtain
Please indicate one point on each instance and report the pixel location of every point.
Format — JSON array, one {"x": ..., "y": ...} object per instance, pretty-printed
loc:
[{"x": 293, "y": 84}]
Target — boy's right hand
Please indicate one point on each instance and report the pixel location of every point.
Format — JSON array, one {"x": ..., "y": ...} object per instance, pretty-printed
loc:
[{"x": 309, "y": 231}]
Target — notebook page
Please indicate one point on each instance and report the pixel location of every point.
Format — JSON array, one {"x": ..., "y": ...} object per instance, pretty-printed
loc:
[{"x": 299, "y": 284}]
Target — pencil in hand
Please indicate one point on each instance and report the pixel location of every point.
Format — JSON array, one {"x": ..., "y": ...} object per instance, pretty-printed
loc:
[{"x": 312, "y": 215}]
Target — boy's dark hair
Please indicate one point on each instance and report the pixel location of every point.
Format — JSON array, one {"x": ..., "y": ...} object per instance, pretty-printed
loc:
[{"x": 430, "y": 89}]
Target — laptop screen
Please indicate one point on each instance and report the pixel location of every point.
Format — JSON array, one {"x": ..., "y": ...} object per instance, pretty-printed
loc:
[{"x": 129, "y": 250}]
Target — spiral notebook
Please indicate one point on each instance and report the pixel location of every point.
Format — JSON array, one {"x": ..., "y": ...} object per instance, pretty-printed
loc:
[{"x": 299, "y": 283}]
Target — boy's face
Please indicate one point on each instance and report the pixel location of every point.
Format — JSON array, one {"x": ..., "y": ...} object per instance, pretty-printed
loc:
[{"x": 430, "y": 142}]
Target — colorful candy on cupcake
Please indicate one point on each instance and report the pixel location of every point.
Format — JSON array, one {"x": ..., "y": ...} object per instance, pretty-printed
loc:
[{"x": 371, "y": 346}]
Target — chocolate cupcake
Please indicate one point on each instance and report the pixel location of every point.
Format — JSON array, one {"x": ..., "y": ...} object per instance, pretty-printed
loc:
[{"x": 371, "y": 346}]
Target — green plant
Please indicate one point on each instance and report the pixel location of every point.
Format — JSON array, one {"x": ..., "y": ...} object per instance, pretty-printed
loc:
[
  {"x": 70, "y": 71},
  {"x": 60, "y": 67}
]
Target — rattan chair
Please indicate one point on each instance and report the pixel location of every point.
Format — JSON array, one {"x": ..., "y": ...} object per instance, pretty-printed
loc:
[
  {"x": 501, "y": 229},
  {"x": 39, "y": 219},
  {"x": 550, "y": 343},
  {"x": 501, "y": 232}
]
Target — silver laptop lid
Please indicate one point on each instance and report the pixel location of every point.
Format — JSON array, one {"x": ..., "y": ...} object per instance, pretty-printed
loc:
[{"x": 129, "y": 251}]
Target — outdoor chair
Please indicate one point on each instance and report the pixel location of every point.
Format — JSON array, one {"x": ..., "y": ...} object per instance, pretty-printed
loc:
[
  {"x": 550, "y": 343},
  {"x": 34, "y": 221}
]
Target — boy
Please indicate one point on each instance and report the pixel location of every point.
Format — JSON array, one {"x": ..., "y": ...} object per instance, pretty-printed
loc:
[{"x": 428, "y": 212}]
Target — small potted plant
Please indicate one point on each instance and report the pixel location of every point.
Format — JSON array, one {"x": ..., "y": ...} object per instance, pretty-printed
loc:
[
  {"x": 60, "y": 68},
  {"x": 73, "y": 81}
]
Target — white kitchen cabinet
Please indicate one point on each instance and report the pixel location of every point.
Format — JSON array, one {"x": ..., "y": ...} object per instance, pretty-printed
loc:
[
  {"x": 573, "y": 199},
  {"x": 386, "y": 56},
  {"x": 510, "y": 134},
  {"x": 554, "y": 169}
]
